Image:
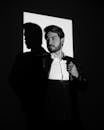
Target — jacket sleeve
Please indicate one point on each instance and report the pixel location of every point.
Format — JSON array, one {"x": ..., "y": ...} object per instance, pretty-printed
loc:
[
  {"x": 82, "y": 81},
  {"x": 15, "y": 77}
]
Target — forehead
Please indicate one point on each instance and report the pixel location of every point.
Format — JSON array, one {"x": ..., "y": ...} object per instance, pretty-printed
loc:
[{"x": 52, "y": 34}]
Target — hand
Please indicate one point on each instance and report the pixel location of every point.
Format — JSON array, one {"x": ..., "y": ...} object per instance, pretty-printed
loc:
[{"x": 73, "y": 69}]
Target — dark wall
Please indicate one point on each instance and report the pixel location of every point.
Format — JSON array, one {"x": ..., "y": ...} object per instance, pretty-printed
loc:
[{"x": 88, "y": 48}]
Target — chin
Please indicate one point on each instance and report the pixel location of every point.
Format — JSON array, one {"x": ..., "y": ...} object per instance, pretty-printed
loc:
[{"x": 51, "y": 50}]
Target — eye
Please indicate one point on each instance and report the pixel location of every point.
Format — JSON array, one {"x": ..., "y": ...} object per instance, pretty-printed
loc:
[{"x": 54, "y": 38}]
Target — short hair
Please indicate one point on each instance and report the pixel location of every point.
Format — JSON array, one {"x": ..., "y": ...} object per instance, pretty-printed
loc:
[
  {"x": 55, "y": 29},
  {"x": 33, "y": 28},
  {"x": 33, "y": 33}
]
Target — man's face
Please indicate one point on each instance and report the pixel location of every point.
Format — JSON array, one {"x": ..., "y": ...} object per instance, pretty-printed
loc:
[{"x": 54, "y": 43}]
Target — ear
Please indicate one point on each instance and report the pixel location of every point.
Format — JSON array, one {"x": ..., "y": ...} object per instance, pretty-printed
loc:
[{"x": 62, "y": 41}]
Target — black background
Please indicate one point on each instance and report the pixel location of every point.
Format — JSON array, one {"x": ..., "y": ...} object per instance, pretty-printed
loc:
[{"x": 88, "y": 49}]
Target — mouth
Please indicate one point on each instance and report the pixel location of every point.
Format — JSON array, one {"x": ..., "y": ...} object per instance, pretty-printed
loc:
[{"x": 51, "y": 46}]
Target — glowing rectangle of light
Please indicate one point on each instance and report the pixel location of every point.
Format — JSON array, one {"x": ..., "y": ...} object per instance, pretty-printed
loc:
[{"x": 43, "y": 21}]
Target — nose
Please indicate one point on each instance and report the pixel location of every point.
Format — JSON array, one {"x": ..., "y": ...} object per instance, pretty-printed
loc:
[{"x": 50, "y": 42}]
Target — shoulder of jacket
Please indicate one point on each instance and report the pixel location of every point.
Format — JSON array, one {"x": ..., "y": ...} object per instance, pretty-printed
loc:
[{"x": 68, "y": 58}]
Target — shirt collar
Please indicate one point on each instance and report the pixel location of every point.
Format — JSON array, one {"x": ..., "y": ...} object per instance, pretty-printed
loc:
[{"x": 54, "y": 56}]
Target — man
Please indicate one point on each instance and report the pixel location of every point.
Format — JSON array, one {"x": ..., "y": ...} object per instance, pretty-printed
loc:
[
  {"x": 27, "y": 72},
  {"x": 61, "y": 73}
]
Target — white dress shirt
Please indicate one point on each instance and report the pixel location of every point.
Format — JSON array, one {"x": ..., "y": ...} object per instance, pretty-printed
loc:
[{"x": 58, "y": 70}]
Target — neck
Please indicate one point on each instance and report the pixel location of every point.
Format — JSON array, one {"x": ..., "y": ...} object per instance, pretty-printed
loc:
[
  {"x": 38, "y": 49},
  {"x": 59, "y": 54}
]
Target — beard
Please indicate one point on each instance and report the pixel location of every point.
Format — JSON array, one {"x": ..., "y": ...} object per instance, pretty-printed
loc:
[{"x": 53, "y": 48}]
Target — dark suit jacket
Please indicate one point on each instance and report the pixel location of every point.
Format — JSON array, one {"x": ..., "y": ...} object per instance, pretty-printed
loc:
[
  {"x": 80, "y": 82},
  {"x": 26, "y": 78},
  {"x": 77, "y": 85}
]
